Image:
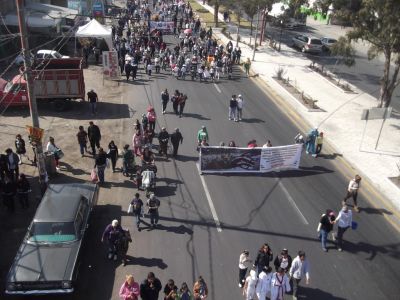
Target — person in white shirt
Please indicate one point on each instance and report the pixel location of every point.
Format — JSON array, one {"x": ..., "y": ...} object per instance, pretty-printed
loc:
[
  {"x": 299, "y": 268},
  {"x": 244, "y": 261},
  {"x": 51, "y": 147},
  {"x": 263, "y": 287},
  {"x": 279, "y": 285},
  {"x": 249, "y": 289},
  {"x": 239, "y": 107},
  {"x": 344, "y": 220},
  {"x": 352, "y": 191}
]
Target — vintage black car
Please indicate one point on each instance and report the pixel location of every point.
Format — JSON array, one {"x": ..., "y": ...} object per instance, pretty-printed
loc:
[{"x": 47, "y": 260}]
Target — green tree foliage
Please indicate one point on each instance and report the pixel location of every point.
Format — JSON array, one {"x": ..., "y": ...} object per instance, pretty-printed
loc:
[
  {"x": 344, "y": 51},
  {"x": 378, "y": 23}
]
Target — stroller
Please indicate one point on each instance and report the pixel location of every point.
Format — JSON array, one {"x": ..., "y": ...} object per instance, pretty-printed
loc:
[{"x": 148, "y": 179}]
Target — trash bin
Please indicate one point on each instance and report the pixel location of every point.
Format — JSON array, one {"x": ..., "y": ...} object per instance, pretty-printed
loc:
[{"x": 50, "y": 163}]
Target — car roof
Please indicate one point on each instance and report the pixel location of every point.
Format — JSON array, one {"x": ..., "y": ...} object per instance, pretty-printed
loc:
[{"x": 61, "y": 201}]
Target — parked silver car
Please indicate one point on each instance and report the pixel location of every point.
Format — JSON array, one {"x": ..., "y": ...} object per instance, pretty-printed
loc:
[
  {"x": 307, "y": 43},
  {"x": 327, "y": 43}
]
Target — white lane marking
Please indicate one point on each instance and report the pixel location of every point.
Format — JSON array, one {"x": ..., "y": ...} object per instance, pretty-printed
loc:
[
  {"x": 291, "y": 200},
  {"x": 218, "y": 89},
  {"x": 211, "y": 204}
]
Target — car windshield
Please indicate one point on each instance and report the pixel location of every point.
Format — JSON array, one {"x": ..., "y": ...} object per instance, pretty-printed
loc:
[
  {"x": 49, "y": 232},
  {"x": 315, "y": 42}
]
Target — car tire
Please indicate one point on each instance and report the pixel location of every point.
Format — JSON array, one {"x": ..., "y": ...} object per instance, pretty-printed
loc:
[{"x": 303, "y": 50}]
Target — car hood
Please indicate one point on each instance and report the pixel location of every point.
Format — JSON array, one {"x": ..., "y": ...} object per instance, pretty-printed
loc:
[
  {"x": 44, "y": 262},
  {"x": 3, "y": 83}
]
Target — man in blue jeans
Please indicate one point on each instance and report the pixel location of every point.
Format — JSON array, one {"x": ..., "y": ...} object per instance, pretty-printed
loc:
[
  {"x": 325, "y": 226},
  {"x": 137, "y": 205},
  {"x": 153, "y": 204}
]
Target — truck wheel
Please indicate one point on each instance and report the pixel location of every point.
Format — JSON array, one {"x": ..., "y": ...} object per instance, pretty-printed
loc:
[{"x": 60, "y": 105}]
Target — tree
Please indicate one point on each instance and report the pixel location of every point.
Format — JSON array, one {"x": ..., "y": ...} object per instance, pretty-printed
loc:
[
  {"x": 344, "y": 52},
  {"x": 378, "y": 23},
  {"x": 250, "y": 7}
]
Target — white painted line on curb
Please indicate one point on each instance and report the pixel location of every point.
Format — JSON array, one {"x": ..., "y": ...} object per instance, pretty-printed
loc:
[
  {"x": 211, "y": 204},
  {"x": 291, "y": 200},
  {"x": 218, "y": 89}
]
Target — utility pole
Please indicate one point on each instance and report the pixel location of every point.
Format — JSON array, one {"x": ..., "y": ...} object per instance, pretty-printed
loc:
[
  {"x": 31, "y": 95},
  {"x": 255, "y": 37}
]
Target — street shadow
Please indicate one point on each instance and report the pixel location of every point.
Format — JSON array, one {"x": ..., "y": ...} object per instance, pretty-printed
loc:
[
  {"x": 330, "y": 155},
  {"x": 133, "y": 82},
  {"x": 61, "y": 178},
  {"x": 147, "y": 262},
  {"x": 165, "y": 191},
  {"x": 82, "y": 111},
  {"x": 310, "y": 293},
  {"x": 375, "y": 211},
  {"x": 252, "y": 120},
  {"x": 185, "y": 158},
  {"x": 195, "y": 116},
  {"x": 181, "y": 229},
  {"x": 66, "y": 167},
  {"x": 170, "y": 181},
  {"x": 392, "y": 250}
]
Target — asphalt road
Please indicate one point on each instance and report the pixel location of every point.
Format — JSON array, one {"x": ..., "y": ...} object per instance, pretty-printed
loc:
[{"x": 281, "y": 208}]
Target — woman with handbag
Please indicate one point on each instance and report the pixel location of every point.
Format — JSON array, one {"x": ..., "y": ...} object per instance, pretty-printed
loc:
[{"x": 58, "y": 154}]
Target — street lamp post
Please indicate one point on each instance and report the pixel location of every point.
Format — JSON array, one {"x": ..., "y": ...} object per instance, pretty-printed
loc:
[{"x": 280, "y": 35}]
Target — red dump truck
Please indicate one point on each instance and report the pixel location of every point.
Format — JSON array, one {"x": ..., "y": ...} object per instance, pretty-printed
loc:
[{"x": 56, "y": 81}]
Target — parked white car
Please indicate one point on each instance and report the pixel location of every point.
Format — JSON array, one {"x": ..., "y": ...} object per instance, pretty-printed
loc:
[{"x": 42, "y": 54}]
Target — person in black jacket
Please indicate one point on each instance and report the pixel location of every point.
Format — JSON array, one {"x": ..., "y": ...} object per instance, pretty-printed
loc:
[
  {"x": 23, "y": 189},
  {"x": 325, "y": 226},
  {"x": 283, "y": 260},
  {"x": 150, "y": 287},
  {"x": 100, "y": 164},
  {"x": 94, "y": 136},
  {"x": 164, "y": 100},
  {"x": 112, "y": 154},
  {"x": 8, "y": 192},
  {"x": 176, "y": 138},
  {"x": 20, "y": 148},
  {"x": 263, "y": 258}
]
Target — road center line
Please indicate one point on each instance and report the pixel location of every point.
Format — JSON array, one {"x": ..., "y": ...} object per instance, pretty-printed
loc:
[
  {"x": 292, "y": 202},
  {"x": 211, "y": 204},
  {"x": 218, "y": 89}
]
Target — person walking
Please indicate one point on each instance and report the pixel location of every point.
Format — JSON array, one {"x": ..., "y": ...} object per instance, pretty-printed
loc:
[
  {"x": 164, "y": 100},
  {"x": 244, "y": 261},
  {"x": 112, "y": 154},
  {"x": 239, "y": 107},
  {"x": 249, "y": 289},
  {"x": 23, "y": 190},
  {"x": 182, "y": 103},
  {"x": 299, "y": 269},
  {"x": 93, "y": 99},
  {"x": 176, "y": 138},
  {"x": 184, "y": 292},
  {"x": 352, "y": 191},
  {"x": 94, "y": 136},
  {"x": 136, "y": 208},
  {"x": 12, "y": 160},
  {"x": 82, "y": 137},
  {"x": 8, "y": 191},
  {"x": 344, "y": 220},
  {"x": 20, "y": 148},
  {"x": 325, "y": 226},
  {"x": 263, "y": 258},
  {"x": 100, "y": 164},
  {"x": 176, "y": 98},
  {"x": 232, "y": 108},
  {"x": 263, "y": 287},
  {"x": 151, "y": 117},
  {"x": 111, "y": 234},
  {"x": 123, "y": 245},
  {"x": 128, "y": 160},
  {"x": 200, "y": 289},
  {"x": 129, "y": 289},
  {"x": 310, "y": 142},
  {"x": 280, "y": 285},
  {"x": 52, "y": 148},
  {"x": 153, "y": 204},
  {"x": 319, "y": 141},
  {"x": 202, "y": 134},
  {"x": 137, "y": 143},
  {"x": 247, "y": 65},
  {"x": 150, "y": 287},
  {"x": 284, "y": 261},
  {"x": 170, "y": 290}
]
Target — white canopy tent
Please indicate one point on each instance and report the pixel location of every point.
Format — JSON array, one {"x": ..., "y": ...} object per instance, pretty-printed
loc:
[{"x": 94, "y": 29}]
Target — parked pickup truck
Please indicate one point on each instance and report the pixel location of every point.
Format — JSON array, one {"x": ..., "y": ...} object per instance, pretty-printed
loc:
[{"x": 56, "y": 80}]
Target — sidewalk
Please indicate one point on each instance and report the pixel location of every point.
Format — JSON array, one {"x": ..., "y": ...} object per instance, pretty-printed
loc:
[{"x": 370, "y": 147}]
